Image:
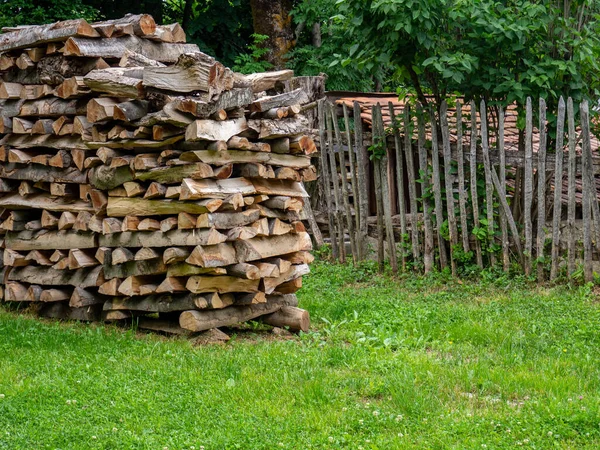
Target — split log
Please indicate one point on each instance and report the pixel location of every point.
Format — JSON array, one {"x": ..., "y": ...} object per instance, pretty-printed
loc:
[
  {"x": 10, "y": 90},
  {"x": 54, "y": 70},
  {"x": 174, "y": 238},
  {"x": 165, "y": 303},
  {"x": 81, "y": 298},
  {"x": 205, "y": 320},
  {"x": 197, "y": 189},
  {"x": 79, "y": 259},
  {"x": 225, "y": 221},
  {"x": 290, "y": 318},
  {"x": 212, "y": 130},
  {"x": 192, "y": 72},
  {"x": 295, "y": 97},
  {"x": 264, "y": 81},
  {"x": 49, "y": 107},
  {"x": 265, "y": 247},
  {"x": 117, "y": 81},
  {"x": 138, "y": 24},
  {"x": 220, "y": 158},
  {"x": 133, "y": 59},
  {"x": 115, "y": 48},
  {"x": 176, "y": 174},
  {"x": 211, "y": 256},
  {"x": 121, "y": 207},
  {"x": 272, "y": 129},
  {"x": 101, "y": 109},
  {"x": 131, "y": 111},
  {"x": 42, "y": 201},
  {"x": 31, "y": 36},
  {"x": 36, "y": 91},
  {"x": 203, "y": 108},
  {"x": 72, "y": 88},
  {"x": 221, "y": 284},
  {"x": 45, "y": 276}
]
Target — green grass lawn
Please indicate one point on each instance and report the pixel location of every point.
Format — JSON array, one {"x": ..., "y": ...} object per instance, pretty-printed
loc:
[{"x": 410, "y": 363}]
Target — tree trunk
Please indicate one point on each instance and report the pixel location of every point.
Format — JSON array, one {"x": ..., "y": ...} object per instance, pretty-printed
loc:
[{"x": 271, "y": 18}]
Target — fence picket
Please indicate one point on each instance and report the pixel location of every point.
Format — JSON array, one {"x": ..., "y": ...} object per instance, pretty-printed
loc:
[
  {"x": 587, "y": 154},
  {"x": 354, "y": 182},
  {"x": 572, "y": 175},
  {"x": 325, "y": 181},
  {"x": 541, "y": 193},
  {"x": 588, "y": 273},
  {"x": 344, "y": 184},
  {"x": 473, "y": 176},
  {"x": 399, "y": 182},
  {"x": 462, "y": 193},
  {"x": 336, "y": 188},
  {"x": 502, "y": 174},
  {"x": 558, "y": 185},
  {"x": 363, "y": 183},
  {"x": 489, "y": 188},
  {"x": 437, "y": 191},
  {"x": 380, "y": 137},
  {"x": 528, "y": 191},
  {"x": 428, "y": 253},
  {"x": 452, "y": 226},
  {"x": 412, "y": 186}
]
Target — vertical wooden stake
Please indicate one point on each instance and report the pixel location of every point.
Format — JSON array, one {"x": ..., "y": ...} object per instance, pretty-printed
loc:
[
  {"x": 428, "y": 254},
  {"x": 351, "y": 157},
  {"x": 528, "y": 191},
  {"x": 473, "y": 173},
  {"x": 363, "y": 182},
  {"x": 325, "y": 181},
  {"x": 558, "y": 187},
  {"x": 571, "y": 193},
  {"x": 452, "y": 226},
  {"x": 541, "y": 191},
  {"x": 412, "y": 186},
  {"x": 502, "y": 171},
  {"x": 437, "y": 190},
  {"x": 378, "y": 138},
  {"x": 489, "y": 188},
  {"x": 462, "y": 193},
  {"x": 344, "y": 187},
  {"x": 399, "y": 182},
  {"x": 587, "y": 196},
  {"x": 336, "y": 188}
]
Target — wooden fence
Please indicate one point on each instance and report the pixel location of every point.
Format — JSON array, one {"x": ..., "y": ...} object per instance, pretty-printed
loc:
[{"x": 458, "y": 195}]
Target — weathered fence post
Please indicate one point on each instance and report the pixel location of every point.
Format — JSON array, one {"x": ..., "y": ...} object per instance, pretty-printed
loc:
[
  {"x": 344, "y": 186},
  {"x": 541, "y": 193},
  {"x": 462, "y": 193},
  {"x": 572, "y": 175},
  {"x": 558, "y": 185},
  {"x": 428, "y": 254},
  {"x": 502, "y": 174},
  {"x": 378, "y": 138},
  {"x": 336, "y": 187},
  {"x": 473, "y": 173},
  {"x": 351, "y": 157},
  {"x": 363, "y": 185},
  {"x": 326, "y": 182},
  {"x": 588, "y": 272},
  {"x": 399, "y": 183},
  {"x": 528, "y": 191},
  {"x": 437, "y": 191},
  {"x": 452, "y": 227},
  {"x": 412, "y": 186},
  {"x": 489, "y": 187}
]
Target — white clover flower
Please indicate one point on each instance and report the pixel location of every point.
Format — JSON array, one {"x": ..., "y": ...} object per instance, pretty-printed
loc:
[
  {"x": 550, "y": 433},
  {"x": 68, "y": 402},
  {"x": 94, "y": 437},
  {"x": 115, "y": 429},
  {"x": 375, "y": 413},
  {"x": 330, "y": 438},
  {"x": 2, "y": 395},
  {"x": 399, "y": 417}
]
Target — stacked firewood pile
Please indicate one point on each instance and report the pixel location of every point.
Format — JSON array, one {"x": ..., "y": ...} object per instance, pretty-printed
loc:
[{"x": 142, "y": 178}]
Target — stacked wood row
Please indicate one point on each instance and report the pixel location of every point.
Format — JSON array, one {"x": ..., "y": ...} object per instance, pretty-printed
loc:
[{"x": 141, "y": 178}]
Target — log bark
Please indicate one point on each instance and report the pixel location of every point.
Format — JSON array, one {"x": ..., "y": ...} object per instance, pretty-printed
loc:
[
  {"x": 289, "y": 317},
  {"x": 192, "y": 72},
  {"x": 174, "y": 238},
  {"x": 115, "y": 48},
  {"x": 121, "y": 207},
  {"x": 220, "y": 158},
  {"x": 31, "y": 36},
  {"x": 205, "y": 320},
  {"x": 117, "y": 81}
]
